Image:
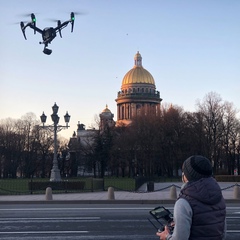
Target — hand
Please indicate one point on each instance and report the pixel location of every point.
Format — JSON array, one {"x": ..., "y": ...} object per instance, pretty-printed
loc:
[
  {"x": 172, "y": 224},
  {"x": 163, "y": 235}
]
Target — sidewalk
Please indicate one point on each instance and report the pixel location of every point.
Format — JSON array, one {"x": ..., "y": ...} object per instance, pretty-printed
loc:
[{"x": 163, "y": 193}]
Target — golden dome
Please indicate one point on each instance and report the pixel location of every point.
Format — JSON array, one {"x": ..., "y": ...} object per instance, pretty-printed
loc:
[
  {"x": 106, "y": 109},
  {"x": 106, "y": 114},
  {"x": 138, "y": 74}
]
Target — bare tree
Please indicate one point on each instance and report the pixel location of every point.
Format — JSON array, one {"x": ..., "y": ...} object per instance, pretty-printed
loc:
[
  {"x": 12, "y": 141},
  {"x": 231, "y": 132},
  {"x": 212, "y": 110}
]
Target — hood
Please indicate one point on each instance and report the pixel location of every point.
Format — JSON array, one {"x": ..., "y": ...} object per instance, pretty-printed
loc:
[{"x": 205, "y": 190}]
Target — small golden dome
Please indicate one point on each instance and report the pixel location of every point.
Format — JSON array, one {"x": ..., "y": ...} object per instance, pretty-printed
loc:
[
  {"x": 106, "y": 114},
  {"x": 138, "y": 74},
  {"x": 106, "y": 109}
]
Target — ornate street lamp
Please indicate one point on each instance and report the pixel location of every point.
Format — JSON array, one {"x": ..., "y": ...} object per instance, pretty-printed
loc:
[{"x": 55, "y": 172}]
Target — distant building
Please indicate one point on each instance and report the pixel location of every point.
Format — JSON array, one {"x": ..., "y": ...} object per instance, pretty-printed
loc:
[{"x": 82, "y": 141}]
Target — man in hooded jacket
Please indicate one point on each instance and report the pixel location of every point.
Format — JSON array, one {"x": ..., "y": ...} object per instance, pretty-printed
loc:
[{"x": 200, "y": 210}]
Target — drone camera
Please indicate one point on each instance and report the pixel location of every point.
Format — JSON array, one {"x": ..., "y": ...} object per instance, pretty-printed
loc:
[{"x": 47, "y": 51}]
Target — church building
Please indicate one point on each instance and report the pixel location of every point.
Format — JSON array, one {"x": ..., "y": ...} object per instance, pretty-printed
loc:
[{"x": 138, "y": 96}]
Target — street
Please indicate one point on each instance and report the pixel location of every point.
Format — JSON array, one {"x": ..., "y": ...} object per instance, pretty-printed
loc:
[{"x": 79, "y": 221}]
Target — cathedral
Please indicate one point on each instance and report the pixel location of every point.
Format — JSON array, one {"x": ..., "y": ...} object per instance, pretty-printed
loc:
[{"x": 138, "y": 95}]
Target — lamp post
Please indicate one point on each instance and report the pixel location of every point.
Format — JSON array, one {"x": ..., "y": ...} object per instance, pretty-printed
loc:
[{"x": 55, "y": 172}]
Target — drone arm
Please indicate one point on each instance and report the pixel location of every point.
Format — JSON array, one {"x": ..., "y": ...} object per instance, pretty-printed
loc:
[
  {"x": 31, "y": 25},
  {"x": 72, "y": 22},
  {"x": 59, "y": 24},
  {"x": 33, "y": 21},
  {"x": 23, "y": 29},
  {"x": 72, "y": 19},
  {"x": 60, "y": 27},
  {"x": 63, "y": 25},
  {"x": 34, "y": 28}
]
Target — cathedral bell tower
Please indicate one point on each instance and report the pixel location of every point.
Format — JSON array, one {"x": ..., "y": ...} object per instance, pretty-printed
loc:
[{"x": 106, "y": 119}]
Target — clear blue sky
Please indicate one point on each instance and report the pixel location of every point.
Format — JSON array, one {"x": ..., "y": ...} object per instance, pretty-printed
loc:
[{"x": 191, "y": 47}]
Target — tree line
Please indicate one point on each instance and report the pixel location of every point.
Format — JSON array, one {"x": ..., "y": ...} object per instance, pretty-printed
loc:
[
  {"x": 150, "y": 146},
  {"x": 25, "y": 149},
  {"x": 158, "y": 145}
]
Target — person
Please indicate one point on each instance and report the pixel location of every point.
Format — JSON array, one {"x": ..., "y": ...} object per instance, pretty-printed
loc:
[{"x": 200, "y": 211}]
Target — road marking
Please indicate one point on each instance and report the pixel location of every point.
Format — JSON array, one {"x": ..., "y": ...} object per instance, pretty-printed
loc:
[
  {"x": 233, "y": 231},
  {"x": 89, "y": 208},
  {"x": 57, "y": 209},
  {"x": 59, "y": 218},
  {"x": 46, "y": 232}
]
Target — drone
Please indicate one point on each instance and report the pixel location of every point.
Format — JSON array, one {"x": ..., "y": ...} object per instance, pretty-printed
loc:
[{"x": 49, "y": 33}]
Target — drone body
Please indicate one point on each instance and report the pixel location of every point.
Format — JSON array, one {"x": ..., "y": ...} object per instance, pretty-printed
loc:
[{"x": 48, "y": 34}]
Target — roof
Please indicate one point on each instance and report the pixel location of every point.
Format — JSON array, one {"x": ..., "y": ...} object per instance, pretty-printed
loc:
[{"x": 138, "y": 74}]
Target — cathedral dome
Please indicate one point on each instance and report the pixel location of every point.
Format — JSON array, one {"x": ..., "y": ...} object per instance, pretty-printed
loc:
[
  {"x": 106, "y": 109},
  {"x": 106, "y": 113},
  {"x": 138, "y": 74}
]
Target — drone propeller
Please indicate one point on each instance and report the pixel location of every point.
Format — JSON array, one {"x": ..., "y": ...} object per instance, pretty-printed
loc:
[
  {"x": 79, "y": 13},
  {"x": 26, "y": 14},
  {"x": 52, "y": 19},
  {"x": 17, "y": 23}
]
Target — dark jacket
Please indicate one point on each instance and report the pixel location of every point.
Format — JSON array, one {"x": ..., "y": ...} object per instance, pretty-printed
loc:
[{"x": 209, "y": 209}]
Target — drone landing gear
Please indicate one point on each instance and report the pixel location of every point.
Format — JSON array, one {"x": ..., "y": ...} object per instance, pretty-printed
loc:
[{"x": 47, "y": 51}]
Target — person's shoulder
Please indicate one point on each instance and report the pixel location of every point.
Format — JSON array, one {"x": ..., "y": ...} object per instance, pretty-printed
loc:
[
  {"x": 182, "y": 202},
  {"x": 182, "y": 207}
]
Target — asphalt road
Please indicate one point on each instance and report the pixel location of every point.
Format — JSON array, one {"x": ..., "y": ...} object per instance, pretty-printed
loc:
[{"x": 79, "y": 221}]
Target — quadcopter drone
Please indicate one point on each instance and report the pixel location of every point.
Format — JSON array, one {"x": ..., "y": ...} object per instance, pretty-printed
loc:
[{"x": 49, "y": 33}]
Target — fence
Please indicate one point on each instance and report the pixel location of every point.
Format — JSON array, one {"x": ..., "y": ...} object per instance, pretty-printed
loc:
[{"x": 38, "y": 186}]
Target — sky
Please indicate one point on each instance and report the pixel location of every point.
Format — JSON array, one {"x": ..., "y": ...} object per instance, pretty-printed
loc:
[{"x": 191, "y": 48}]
